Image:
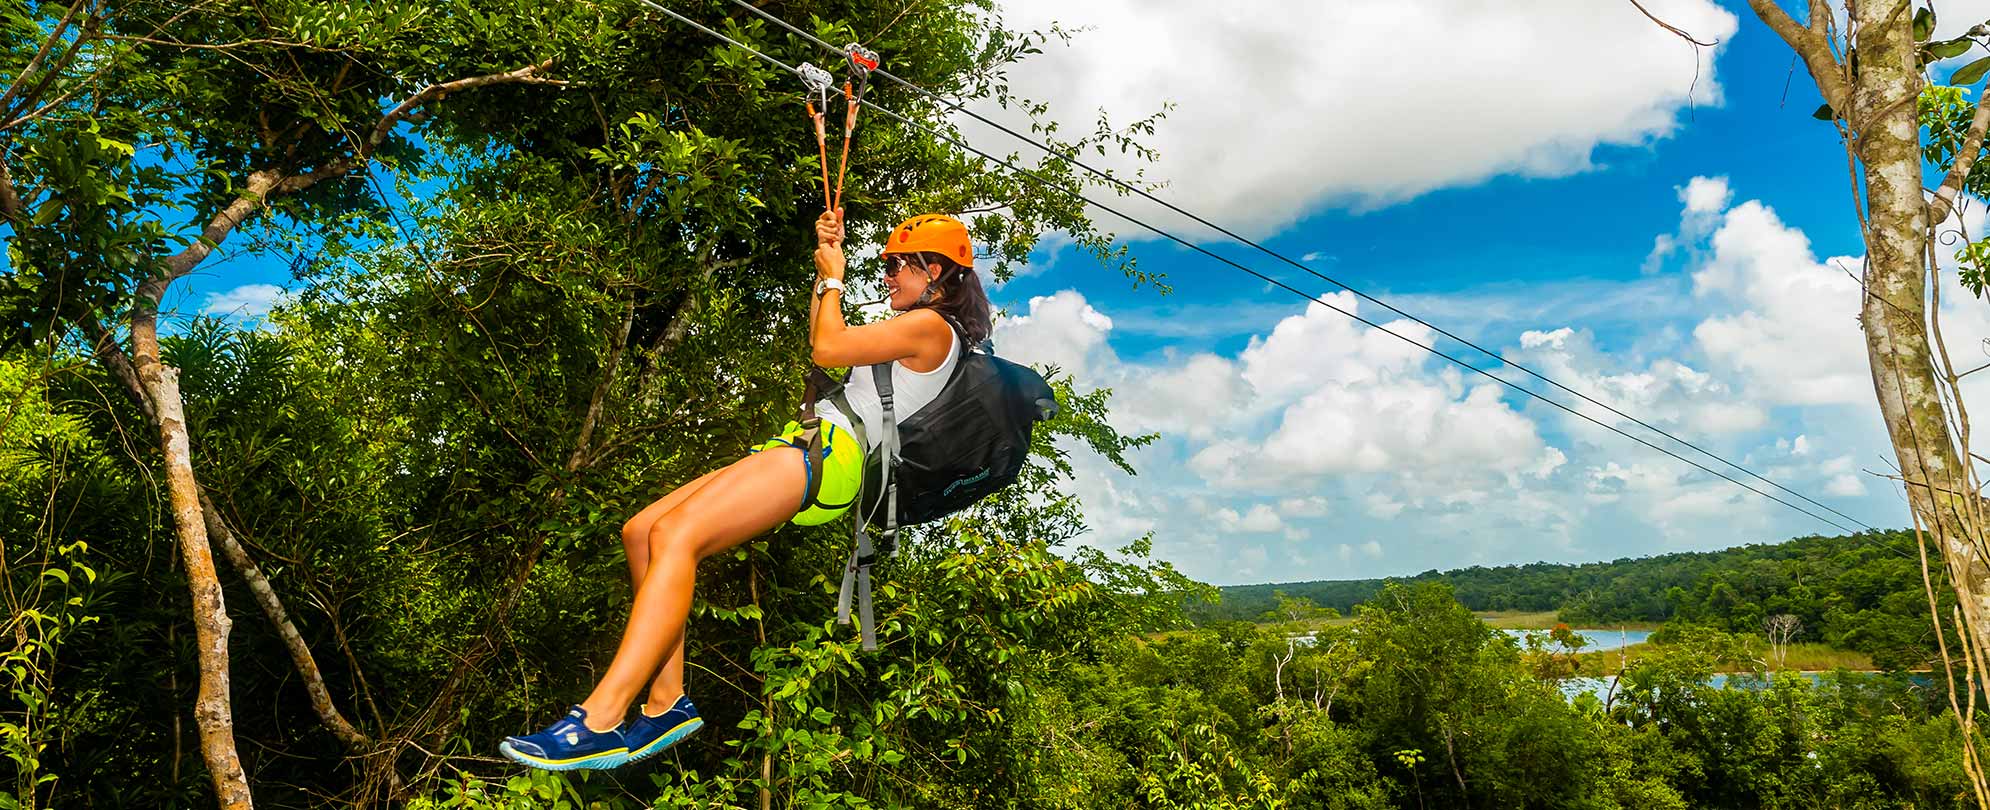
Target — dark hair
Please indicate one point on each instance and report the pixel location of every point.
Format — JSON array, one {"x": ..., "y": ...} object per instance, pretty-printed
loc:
[{"x": 961, "y": 299}]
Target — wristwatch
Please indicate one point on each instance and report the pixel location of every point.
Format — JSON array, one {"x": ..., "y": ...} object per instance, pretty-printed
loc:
[{"x": 826, "y": 284}]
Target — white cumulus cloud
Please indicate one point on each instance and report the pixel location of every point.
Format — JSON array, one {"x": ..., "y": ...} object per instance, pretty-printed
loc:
[
  {"x": 1283, "y": 108},
  {"x": 247, "y": 302}
]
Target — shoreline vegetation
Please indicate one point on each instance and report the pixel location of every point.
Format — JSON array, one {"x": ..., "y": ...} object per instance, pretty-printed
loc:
[
  {"x": 1853, "y": 602},
  {"x": 1807, "y": 657}
]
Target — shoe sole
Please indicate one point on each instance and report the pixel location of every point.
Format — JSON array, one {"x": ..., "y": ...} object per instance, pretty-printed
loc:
[
  {"x": 669, "y": 738},
  {"x": 602, "y": 761}
]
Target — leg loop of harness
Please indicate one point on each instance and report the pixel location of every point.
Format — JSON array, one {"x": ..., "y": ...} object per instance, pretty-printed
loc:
[{"x": 810, "y": 443}]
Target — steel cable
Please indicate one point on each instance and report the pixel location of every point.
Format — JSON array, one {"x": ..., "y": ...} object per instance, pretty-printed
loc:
[{"x": 1042, "y": 182}]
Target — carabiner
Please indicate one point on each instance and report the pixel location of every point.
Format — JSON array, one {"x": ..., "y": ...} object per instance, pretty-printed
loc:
[
  {"x": 861, "y": 62},
  {"x": 818, "y": 81}
]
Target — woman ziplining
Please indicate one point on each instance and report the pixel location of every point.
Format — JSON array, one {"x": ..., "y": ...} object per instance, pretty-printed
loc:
[
  {"x": 770, "y": 486},
  {"x": 932, "y": 428}
]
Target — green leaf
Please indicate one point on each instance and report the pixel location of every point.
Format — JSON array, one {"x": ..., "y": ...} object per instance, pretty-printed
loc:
[
  {"x": 1924, "y": 24},
  {"x": 1952, "y": 48},
  {"x": 1970, "y": 73},
  {"x": 1824, "y": 113}
]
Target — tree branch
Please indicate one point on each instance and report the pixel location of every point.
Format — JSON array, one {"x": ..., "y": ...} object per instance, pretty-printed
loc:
[
  {"x": 14, "y": 87},
  {"x": 54, "y": 71},
  {"x": 213, "y": 708},
  {"x": 10, "y": 201},
  {"x": 261, "y": 184},
  {"x": 268, "y": 183},
  {"x": 620, "y": 341},
  {"x": 1670, "y": 27},
  {"x": 114, "y": 358},
  {"x": 1811, "y": 44},
  {"x": 437, "y": 92},
  {"x": 273, "y": 609},
  {"x": 680, "y": 322},
  {"x": 104, "y": 345},
  {"x": 1965, "y": 158}
]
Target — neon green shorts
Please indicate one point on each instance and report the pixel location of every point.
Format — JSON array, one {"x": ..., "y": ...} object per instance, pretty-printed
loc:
[{"x": 834, "y": 477}]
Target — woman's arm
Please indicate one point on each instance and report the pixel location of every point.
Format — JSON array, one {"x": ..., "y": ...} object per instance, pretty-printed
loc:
[{"x": 919, "y": 334}]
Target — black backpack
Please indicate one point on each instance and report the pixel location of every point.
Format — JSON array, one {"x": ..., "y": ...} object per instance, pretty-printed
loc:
[{"x": 966, "y": 444}]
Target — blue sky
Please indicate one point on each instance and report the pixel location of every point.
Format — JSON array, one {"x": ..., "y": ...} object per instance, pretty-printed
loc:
[
  {"x": 1740, "y": 338},
  {"x": 1506, "y": 175}
]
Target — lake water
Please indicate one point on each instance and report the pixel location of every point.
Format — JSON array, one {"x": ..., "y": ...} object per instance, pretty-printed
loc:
[{"x": 1599, "y": 640}]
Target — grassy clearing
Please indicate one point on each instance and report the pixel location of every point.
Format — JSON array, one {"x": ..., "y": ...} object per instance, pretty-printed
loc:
[
  {"x": 1517, "y": 619},
  {"x": 1496, "y": 619},
  {"x": 1544, "y": 619},
  {"x": 1805, "y": 657},
  {"x": 1814, "y": 657}
]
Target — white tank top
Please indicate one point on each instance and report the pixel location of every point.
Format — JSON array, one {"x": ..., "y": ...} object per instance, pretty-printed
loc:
[{"x": 910, "y": 391}]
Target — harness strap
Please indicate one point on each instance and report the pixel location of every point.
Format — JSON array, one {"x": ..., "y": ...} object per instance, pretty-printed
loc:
[
  {"x": 819, "y": 81},
  {"x": 849, "y": 127},
  {"x": 861, "y": 62},
  {"x": 857, "y": 574},
  {"x": 815, "y": 445}
]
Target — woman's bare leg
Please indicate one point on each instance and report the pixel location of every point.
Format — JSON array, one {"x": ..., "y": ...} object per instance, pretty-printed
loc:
[
  {"x": 753, "y": 495},
  {"x": 669, "y": 683},
  {"x": 636, "y": 532},
  {"x": 636, "y": 542}
]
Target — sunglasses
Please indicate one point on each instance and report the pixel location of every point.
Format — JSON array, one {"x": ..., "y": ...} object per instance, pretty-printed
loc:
[{"x": 894, "y": 263}]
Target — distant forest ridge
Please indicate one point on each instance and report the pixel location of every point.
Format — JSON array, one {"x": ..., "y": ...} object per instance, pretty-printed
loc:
[{"x": 1860, "y": 591}]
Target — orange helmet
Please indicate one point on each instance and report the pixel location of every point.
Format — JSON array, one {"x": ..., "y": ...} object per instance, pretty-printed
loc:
[{"x": 934, "y": 233}]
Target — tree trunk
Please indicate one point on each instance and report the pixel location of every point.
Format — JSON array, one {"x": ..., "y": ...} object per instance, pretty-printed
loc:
[
  {"x": 160, "y": 385},
  {"x": 1894, "y": 311},
  {"x": 273, "y": 609},
  {"x": 212, "y": 709},
  {"x": 120, "y": 366},
  {"x": 1879, "y": 110}
]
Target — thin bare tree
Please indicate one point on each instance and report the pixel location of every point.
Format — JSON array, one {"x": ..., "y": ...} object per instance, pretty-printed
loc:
[{"x": 1781, "y": 629}]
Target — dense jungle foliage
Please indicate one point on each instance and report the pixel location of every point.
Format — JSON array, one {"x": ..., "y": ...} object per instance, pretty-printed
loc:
[
  {"x": 1855, "y": 592},
  {"x": 528, "y": 306}
]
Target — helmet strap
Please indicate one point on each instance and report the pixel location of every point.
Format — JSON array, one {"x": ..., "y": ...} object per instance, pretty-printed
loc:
[{"x": 926, "y": 295}]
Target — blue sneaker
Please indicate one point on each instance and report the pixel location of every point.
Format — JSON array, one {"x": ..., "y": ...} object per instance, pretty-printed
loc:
[
  {"x": 568, "y": 744},
  {"x": 649, "y": 735}
]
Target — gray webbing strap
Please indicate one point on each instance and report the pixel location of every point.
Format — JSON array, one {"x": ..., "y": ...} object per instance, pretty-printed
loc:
[
  {"x": 857, "y": 577},
  {"x": 842, "y": 403},
  {"x": 882, "y": 375},
  {"x": 857, "y": 574},
  {"x": 862, "y": 539}
]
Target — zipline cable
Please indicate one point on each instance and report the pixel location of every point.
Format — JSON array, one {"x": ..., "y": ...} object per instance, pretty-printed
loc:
[
  {"x": 1072, "y": 157},
  {"x": 1371, "y": 324},
  {"x": 958, "y": 142}
]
